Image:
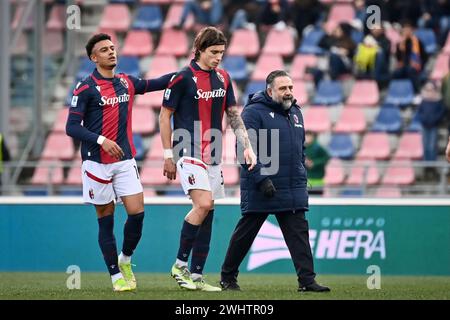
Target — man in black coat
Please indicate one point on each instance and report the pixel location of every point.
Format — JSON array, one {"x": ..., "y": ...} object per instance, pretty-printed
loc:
[{"x": 282, "y": 192}]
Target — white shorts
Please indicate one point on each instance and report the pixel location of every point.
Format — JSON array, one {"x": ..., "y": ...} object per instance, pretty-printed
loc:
[
  {"x": 195, "y": 174},
  {"x": 103, "y": 183}
]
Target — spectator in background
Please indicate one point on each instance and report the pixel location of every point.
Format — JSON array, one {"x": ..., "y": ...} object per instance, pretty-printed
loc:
[
  {"x": 305, "y": 13},
  {"x": 244, "y": 14},
  {"x": 316, "y": 160},
  {"x": 436, "y": 16},
  {"x": 411, "y": 56},
  {"x": 401, "y": 10},
  {"x": 342, "y": 48},
  {"x": 274, "y": 12},
  {"x": 207, "y": 12},
  {"x": 4, "y": 157},
  {"x": 431, "y": 112},
  {"x": 445, "y": 90}
]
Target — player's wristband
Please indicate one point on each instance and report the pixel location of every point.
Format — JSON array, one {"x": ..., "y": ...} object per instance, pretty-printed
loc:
[
  {"x": 168, "y": 154},
  {"x": 100, "y": 140}
]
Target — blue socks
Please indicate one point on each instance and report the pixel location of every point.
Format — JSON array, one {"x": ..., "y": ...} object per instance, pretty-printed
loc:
[
  {"x": 132, "y": 233},
  {"x": 201, "y": 244},
  {"x": 188, "y": 235},
  {"x": 107, "y": 243}
]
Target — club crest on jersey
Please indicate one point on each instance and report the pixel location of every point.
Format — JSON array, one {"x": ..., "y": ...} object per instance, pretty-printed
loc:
[
  {"x": 191, "y": 179},
  {"x": 220, "y": 76},
  {"x": 91, "y": 193},
  {"x": 295, "y": 119},
  {"x": 167, "y": 94},
  {"x": 124, "y": 83}
]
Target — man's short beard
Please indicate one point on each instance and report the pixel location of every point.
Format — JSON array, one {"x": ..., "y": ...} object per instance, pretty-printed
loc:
[{"x": 286, "y": 103}]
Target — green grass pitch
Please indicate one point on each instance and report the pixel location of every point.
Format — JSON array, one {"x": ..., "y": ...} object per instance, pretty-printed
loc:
[{"x": 20, "y": 285}]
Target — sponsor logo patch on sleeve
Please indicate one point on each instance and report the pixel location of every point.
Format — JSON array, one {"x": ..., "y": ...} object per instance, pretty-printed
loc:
[{"x": 74, "y": 102}]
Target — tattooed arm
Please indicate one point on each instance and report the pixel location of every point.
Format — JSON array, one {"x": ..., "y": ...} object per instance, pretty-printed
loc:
[{"x": 238, "y": 126}]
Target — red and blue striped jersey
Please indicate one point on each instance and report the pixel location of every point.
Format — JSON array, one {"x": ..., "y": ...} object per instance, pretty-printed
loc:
[
  {"x": 199, "y": 98},
  {"x": 104, "y": 105}
]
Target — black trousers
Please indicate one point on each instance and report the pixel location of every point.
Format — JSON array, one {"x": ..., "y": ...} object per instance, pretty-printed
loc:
[{"x": 294, "y": 227}]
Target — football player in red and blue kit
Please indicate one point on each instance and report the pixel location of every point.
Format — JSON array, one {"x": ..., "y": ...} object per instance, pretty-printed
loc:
[{"x": 100, "y": 117}]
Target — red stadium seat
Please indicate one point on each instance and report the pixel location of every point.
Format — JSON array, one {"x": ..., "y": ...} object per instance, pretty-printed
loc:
[
  {"x": 244, "y": 43},
  {"x": 156, "y": 149},
  {"x": 229, "y": 147},
  {"x": 161, "y": 65},
  {"x": 363, "y": 171},
  {"x": 399, "y": 173},
  {"x": 410, "y": 146},
  {"x": 19, "y": 12},
  {"x": 300, "y": 92},
  {"x": 279, "y": 42},
  {"x": 334, "y": 173},
  {"x": 74, "y": 176},
  {"x": 446, "y": 48},
  {"x": 364, "y": 93},
  {"x": 174, "y": 16},
  {"x": 153, "y": 176},
  {"x": 152, "y": 99},
  {"x": 21, "y": 47},
  {"x": 265, "y": 64},
  {"x": 150, "y": 193},
  {"x": 339, "y": 13},
  {"x": 351, "y": 120},
  {"x": 48, "y": 171},
  {"x": 61, "y": 119},
  {"x": 57, "y": 18},
  {"x": 143, "y": 120},
  {"x": 441, "y": 67},
  {"x": 299, "y": 65},
  {"x": 375, "y": 145},
  {"x": 138, "y": 43},
  {"x": 230, "y": 175},
  {"x": 53, "y": 42},
  {"x": 388, "y": 192},
  {"x": 113, "y": 35},
  {"x": 173, "y": 42},
  {"x": 58, "y": 146},
  {"x": 116, "y": 17},
  {"x": 317, "y": 119}
]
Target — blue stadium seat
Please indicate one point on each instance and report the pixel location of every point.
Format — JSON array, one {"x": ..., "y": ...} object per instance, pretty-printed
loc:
[
  {"x": 139, "y": 145},
  {"x": 351, "y": 192},
  {"x": 341, "y": 146},
  {"x": 85, "y": 69},
  {"x": 129, "y": 65},
  {"x": 357, "y": 36},
  {"x": 400, "y": 92},
  {"x": 148, "y": 17},
  {"x": 236, "y": 67},
  {"x": 389, "y": 119},
  {"x": 428, "y": 39},
  {"x": 252, "y": 87},
  {"x": 328, "y": 92},
  {"x": 415, "y": 125},
  {"x": 309, "y": 44},
  {"x": 123, "y": 1}
]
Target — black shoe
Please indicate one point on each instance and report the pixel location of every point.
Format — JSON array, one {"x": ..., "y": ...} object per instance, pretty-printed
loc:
[
  {"x": 232, "y": 286},
  {"x": 314, "y": 287}
]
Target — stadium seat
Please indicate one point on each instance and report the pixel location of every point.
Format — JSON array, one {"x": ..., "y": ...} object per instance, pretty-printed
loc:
[
  {"x": 300, "y": 64},
  {"x": 410, "y": 146},
  {"x": 399, "y": 173},
  {"x": 153, "y": 176},
  {"x": 139, "y": 145},
  {"x": 86, "y": 66},
  {"x": 48, "y": 171},
  {"x": 351, "y": 120},
  {"x": 144, "y": 121},
  {"x": 244, "y": 42},
  {"x": 389, "y": 119},
  {"x": 60, "y": 121},
  {"x": 116, "y": 17},
  {"x": 375, "y": 145},
  {"x": 161, "y": 65},
  {"x": 265, "y": 64},
  {"x": 341, "y": 146},
  {"x": 428, "y": 39},
  {"x": 400, "y": 92},
  {"x": 173, "y": 42},
  {"x": 415, "y": 125},
  {"x": 252, "y": 87},
  {"x": 138, "y": 43},
  {"x": 123, "y": 1},
  {"x": 279, "y": 42},
  {"x": 363, "y": 172},
  {"x": 236, "y": 67},
  {"x": 339, "y": 13},
  {"x": 310, "y": 42},
  {"x": 53, "y": 42},
  {"x": 388, "y": 192},
  {"x": 317, "y": 119},
  {"x": 156, "y": 149},
  {"x": 230, "y": 175},
  {"x": 57, "y": 18},
  {"x": 173, "y": 17},
  {"x": 364, "y": 93},
  {"x": 441, "y": 67},
  {"x": 351, "y": 192},
  {"x": 74, "y": 175},
  {"x": 18, "y": 13},
  {"x": 161, "y": 2},
  {"x": 300, "y": 92},
  {"x": 334, "y": 173},
  {"x": 148, "y": 17},
  {"x": 328, "y": 93},
  {"x": 149, "y": 193},
  {"x": 21, "y": 47},
  {"x": 114, "y": 38},
  {"x": 229, "y": 147},
  {"x": 58, "y": 146},
  {"x": 128, "y": 65}
]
